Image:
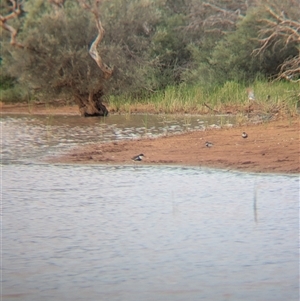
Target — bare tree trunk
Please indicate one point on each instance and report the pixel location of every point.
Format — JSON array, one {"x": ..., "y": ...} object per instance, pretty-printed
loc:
[
  {"x": 94, "y": 106},
  {"x": 90, "y": 105}
]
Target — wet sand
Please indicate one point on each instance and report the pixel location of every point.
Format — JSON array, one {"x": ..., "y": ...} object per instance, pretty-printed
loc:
[{"x": 272, "y": 147}]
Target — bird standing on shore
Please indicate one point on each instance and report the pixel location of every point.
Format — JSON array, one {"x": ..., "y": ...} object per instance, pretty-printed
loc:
[
  {"x": 251, "y": 95},
  {"x": 244, "y": 135},
  {"x": 208, "y": 144},
  {"x": 138, "y": 157}
]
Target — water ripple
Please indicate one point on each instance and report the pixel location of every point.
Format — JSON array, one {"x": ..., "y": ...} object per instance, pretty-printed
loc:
[
  {"x": 35, "y": 136},
  {"x": 148, "y": 233},
  {"x": 139, "y": 233}
]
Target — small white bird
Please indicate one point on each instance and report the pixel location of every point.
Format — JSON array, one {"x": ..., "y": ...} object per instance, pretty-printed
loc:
[
  {"x": 208, "y": 144},
  {"x": 244, "y": 135},
  {"x": 138, "y": 157},
  {"x": 251, "y": 95}
]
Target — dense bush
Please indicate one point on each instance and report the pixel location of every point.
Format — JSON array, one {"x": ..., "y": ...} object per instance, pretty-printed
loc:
[{"x": 151, "y": 44}]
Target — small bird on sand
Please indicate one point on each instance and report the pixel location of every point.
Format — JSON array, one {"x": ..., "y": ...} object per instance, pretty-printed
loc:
[
  {"x": 138, "y": 157},
  {"x": 244, "y": 135},
  {"x": 208, "y": 144}
]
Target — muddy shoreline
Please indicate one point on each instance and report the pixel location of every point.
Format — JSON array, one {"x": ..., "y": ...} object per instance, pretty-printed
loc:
[{"x": 271, "y": 147}]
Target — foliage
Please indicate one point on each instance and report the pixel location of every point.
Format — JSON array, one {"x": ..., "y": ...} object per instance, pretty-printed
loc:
[
  {"x": 154, "y": 47},
  {"x": 6, "y": 82},
  {"x": 233, "y": 56},
  {"x": 129, "y": 26},
  {"x": 55, "y": 54}
]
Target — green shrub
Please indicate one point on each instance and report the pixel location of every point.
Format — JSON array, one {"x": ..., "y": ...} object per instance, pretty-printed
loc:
[
  {"x": 6, "y": 82},
  {"x": 15, "y": 94}
]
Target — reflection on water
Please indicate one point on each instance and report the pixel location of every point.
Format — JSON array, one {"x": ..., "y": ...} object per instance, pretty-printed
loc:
[
  {"x": 147, "y": 233},
  {"x": 72, "y": 232},
  {"x": 37, "y": 136}
]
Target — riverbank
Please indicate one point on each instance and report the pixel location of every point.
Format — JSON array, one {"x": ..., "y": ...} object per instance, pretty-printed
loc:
[
  {"x": 38, "y": 109},
  {"x": 272, "y": 147}
]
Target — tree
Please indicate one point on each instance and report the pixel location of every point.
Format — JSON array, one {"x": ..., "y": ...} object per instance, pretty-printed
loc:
[
  {"x": 280, "y": 29},
  {"x": 53, "y": 54},
  {"x": 240, "y": 40},
  {"x": 129, "y": 29},
  {"x": 222, "y": 42}
]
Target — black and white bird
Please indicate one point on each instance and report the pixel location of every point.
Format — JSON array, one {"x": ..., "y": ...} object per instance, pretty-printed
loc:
[
  {"x": 244, "y": 135},
  {"x": 138, "y": 157},
  {"x": 208, "y": 144}
]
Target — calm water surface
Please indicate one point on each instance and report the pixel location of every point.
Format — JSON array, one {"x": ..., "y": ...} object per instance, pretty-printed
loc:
[{"x": 72, "y": 232}]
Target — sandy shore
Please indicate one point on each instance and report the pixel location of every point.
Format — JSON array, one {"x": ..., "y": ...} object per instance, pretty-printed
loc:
[{"x": 270, "y": 147}]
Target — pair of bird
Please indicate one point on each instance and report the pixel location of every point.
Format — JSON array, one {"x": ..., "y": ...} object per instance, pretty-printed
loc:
[{"x": 209, "y": 144}]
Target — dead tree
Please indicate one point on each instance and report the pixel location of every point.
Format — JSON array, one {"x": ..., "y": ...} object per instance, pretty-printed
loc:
[{"x": 279, "y": 28}]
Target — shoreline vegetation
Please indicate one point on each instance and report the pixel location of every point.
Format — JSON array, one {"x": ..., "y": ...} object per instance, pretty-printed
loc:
[
  {"x": 271, "y": 98},
  {"x": 230, "y": 98}
]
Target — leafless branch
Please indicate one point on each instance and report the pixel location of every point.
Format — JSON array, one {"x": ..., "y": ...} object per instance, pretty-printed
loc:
[
  {"x": 107, "y": 71},
  {"x": 289, "y": 69},
  {"x": 16, "y": 11},
  {"x": 280, "y": 29},
  {"x": 214, "y": 17},
  {"x": 58, "y": 3}
]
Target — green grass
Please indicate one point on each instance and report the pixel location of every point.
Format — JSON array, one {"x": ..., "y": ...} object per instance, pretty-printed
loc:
[
  {"x": 278, "y": 96},
  {"x": 271, "y": 97}
]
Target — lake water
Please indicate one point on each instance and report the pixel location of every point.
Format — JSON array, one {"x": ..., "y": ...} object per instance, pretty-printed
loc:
[{"x": 75, "y": 232}]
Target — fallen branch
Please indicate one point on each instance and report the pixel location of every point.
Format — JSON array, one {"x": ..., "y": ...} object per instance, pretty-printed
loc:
[{"x": 211, "y": 108}]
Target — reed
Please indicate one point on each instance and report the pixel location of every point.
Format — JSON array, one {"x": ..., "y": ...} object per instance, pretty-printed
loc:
[{"x": 270, "y": 98}]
